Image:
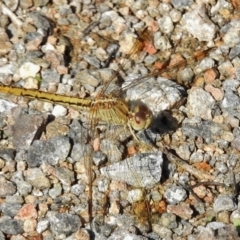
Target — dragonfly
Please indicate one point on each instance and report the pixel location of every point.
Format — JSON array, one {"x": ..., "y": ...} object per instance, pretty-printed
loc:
[{"x": 112, "y": 108}]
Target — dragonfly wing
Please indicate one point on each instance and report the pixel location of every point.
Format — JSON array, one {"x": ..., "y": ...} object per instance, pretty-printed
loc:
[
  {"x": 145, "y": 37},
  {"x": 158, "y": 95}
]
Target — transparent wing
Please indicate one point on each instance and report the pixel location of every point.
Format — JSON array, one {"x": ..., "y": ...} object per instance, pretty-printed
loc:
[
  {"x": 195, "y": 58},
  {"x": 137, "y": 47}
]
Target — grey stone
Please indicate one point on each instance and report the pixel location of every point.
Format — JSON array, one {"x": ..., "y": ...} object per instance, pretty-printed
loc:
[
  {"x": 113, "y": 149},
  {"x": 10, "y": 209},
  {"x": 168, "y": 220},
  {"x": 99, "y": 158},
  {"x": 42, "y": 225},
  {"x": 72, "y": 18},
  {"x": 200, "y": 103},
  {"x": 48, "y": 151},
  {"x": 77, "y": 132},
  {"x": 231, "y": 37},
  {"x": 175, "y": 194},
  {"x": 7, "y": 154},
  {"x": 2, "y": 237},
  {"x": 92, "y": 60},
  {"x": 235, "y": 51},
  {"x": 26, "y": 128},
  {"x": 64, "y": 223},
  {"x": 196, "y": 157},
  {"x": 181, "y": 3},
  {"x": 185, "y": 75},
  {"x": 122, "y": 233},
  {"x": 208, "y": 130},
  {"x": 6, "y": 188},
  {"x": 49, "y": 76},
  {"x": 161, "y": 42},
  {"x": 199, "y": 25},
  {"x": 23, "y": 187},
  {"x": 221, "y": 167},
  {"x": 55, "y": 191},
  {"x": 156, "y": 195},
  {"x": 6, "y": 105},
  {"x": 150, "y": 59},
  {"x": 66, "y": 176},
  {"x": 236, "y": 143},
  {"x": 230, "y": 100},
  {"x": 224, "y": 203},
  {"x": 77, "y": 189},
  {"x": 11, "y": 226},
  {"x": 184, "y": 151},
  {"x": 205, "y": 64},
  {"x": 42, "y": 22},
  {"x": 141, "y": 170},
  {"x": 163, "y": 232},
  {"x": 37, "y": 178},
  {"x": 89, "y": 79},
  {"x": 166, "y": 25},
  {"x": 14, "y": 199},
  {"x": 103, "y": 185},
  {"x": 215, "y": 225},
  {"x": 80, "y": 151},
  {"x": 30, "y": 56}
]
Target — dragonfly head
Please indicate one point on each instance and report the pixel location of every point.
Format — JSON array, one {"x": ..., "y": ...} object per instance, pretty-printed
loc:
[{"x": 141, "y": 117}]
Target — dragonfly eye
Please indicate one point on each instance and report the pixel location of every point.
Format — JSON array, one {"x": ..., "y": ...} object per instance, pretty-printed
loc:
[{"x": 142, "y": 117}]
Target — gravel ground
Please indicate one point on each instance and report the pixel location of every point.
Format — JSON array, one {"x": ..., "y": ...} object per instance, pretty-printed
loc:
[{"x": 185, "y": 186}]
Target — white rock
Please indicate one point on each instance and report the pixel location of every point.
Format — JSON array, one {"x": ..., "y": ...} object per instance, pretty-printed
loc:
[
  {"x": 48, "y": 47},
  {"x": 231, "y": 37},
  {"x": 200, "y": 103},
  {"x": 166, "y": 25},
  {"x": 59, "y": 111},
  {"x": 135, "y": 195},
  {"x": 42, "y": 226},
  {"x": 161, "y": 42},
  {"x": 28, "y": 69},
  {"x": 48, "y": 107},
  {"x": 7, "y": 69},
  {"x": 112, "y": 14},
  {"x": 6, "y": 105},
  {"x": 199, "y": 25},
  {"x": 31, "y": 83}
]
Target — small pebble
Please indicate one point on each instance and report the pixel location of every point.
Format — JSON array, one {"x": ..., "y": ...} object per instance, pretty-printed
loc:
[
  {"x": 28, "y": 69},
  {"x": 37, "y": 179},
  {"x": 168, "y": 220},
  {"x": 215, "y": 92},
  {"x": 6, "y": 188},
  {"x": 199, "y": 25},
  {"x": 183, "y": 211},
  {"x": 6, "y": 106},
  {"x": 64, "y": 223},
  {"x": 224, "y": 203},
  {"x": 59, "y": 111},
  {"x": 175, "y": 194},
  {"x": 66, "y": 176},
  {"x": 52, "y": 153},
  {"x": 135, "y": 195},
  {"x": 42, "y": 226},
  {"x": 200, "y": 103},
  {"x": 29, "y": 225},
  {"x": 11, "y": 226}
]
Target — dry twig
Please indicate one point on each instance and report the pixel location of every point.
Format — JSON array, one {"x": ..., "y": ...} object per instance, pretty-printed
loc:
[{"x": 5, "y": 10}]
